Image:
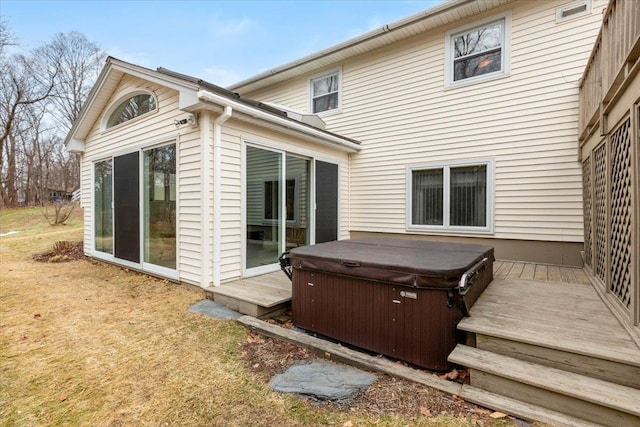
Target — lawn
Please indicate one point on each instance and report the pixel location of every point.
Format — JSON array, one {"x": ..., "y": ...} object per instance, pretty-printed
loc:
[{"x": 86, "y": 343}]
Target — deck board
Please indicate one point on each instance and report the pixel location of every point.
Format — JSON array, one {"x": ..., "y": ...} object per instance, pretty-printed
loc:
[
  {"x": 267, "y": 290},
  {"x": 528, "y": 272},
  {"x": 541, "y": 273},
  {"x": 564, "y": 316},
  {"x": 567, "y": 275},
  {"x": 516, "y": 270},
  {"x": 503, "y": 269}
]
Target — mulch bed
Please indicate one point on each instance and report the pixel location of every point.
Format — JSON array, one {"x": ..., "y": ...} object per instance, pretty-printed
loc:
[
  {"x": 63, "y": 251},
  {"x": 266, "y": 357}
]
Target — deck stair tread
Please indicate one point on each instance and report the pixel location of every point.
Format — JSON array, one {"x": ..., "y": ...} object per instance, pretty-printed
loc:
[
  {"x": 603, "y": 393},
  {"x": 268, "y": 290},
  {"x": 569, "y": 317},
  {"x": 520, "y": 409}
]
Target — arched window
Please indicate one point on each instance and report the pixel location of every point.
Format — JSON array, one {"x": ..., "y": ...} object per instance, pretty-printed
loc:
[{"x": 130, "y": 108}]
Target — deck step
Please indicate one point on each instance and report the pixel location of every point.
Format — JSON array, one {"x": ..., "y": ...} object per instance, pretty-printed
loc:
[
  {"x": 260, "y": 296},
  {"x": 576, "y": 395},
  {"x": 563, "y": 326},
  {"x": 520, "y": 409},
  {"x": 514, "y": 330},
  {"x": 589, "y": 365}
]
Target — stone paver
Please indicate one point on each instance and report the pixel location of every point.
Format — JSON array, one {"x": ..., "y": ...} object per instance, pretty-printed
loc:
[
  {"x": 322, "y": 379},
  {"x": 214, "y": 309}
]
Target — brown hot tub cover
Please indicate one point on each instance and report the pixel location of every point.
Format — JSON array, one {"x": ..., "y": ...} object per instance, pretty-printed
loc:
[{"x": 420, "y": 264}]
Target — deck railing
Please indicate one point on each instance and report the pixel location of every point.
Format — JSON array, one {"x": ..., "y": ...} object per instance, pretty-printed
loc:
[{"x": 617, "y": 46}]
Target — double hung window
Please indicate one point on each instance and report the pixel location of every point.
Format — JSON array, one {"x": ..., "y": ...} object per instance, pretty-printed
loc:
[
  {"x": 450, "y": 197},
  {"x": 325, "y": 92},
  {"x": 478, "y": 52}
]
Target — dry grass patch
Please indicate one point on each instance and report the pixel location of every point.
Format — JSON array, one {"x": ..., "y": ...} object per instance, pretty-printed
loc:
[{"x": 84, "y": 343}]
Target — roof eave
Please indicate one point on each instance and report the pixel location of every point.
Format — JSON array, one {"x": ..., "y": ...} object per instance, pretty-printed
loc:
[
  {"x": 114, "y": 69},
  {"x": 282, "y": 123},
  {"x": 354, "y": 46}
]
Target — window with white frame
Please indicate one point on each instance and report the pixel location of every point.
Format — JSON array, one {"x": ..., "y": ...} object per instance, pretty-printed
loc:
[
  {"x": 325, "y": 92},
  {"x": 450, "y": 197},
  {"x": 478, "y": 52},
  {"x": 135, "y": 105}
]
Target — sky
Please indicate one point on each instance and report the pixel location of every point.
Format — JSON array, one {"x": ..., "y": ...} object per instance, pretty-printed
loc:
[{"x": 222, "y": 42}]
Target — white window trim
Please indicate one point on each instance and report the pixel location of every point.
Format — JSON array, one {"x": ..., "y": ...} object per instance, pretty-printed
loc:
[
  {"x": 121, "y": 98},
  {"x": 446, "y": 228},
  {"x": 328, "y": 73},
  {"x": 506, "y": 51},
  {"x": 563, "y": 8}
]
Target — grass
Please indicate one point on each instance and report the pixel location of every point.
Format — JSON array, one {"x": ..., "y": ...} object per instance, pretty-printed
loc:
[{"x": 85, "y": 343}]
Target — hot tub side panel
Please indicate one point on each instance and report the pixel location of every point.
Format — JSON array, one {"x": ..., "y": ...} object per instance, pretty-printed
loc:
[{"x": 411, "y": 324}]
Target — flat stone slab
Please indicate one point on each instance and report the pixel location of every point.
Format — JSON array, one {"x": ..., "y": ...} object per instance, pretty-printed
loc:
[
  {"x": 322, "y": 379},
  {"x": 214, "y": 309}
]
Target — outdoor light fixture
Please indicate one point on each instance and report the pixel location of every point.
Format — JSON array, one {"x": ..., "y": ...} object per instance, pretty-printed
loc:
[{"x": 191, "y": 120}]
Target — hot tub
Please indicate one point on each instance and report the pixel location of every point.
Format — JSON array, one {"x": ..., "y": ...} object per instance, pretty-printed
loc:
[{"x": 400, "y": 298}]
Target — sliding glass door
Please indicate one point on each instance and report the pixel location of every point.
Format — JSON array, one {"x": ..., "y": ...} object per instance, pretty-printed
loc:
[
  {"x": 103, "y": 213},
  {"x": 160, "y": 206},
  {"x": 263, "y": 202},
  {"x": 135, "y": 214},
  {"x": 277, "y": 206}
]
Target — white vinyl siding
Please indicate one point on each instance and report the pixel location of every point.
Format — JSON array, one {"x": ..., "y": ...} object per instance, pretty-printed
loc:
[
  {"x": 149, "y": 130},
  {"x": 395, "y": 103}
]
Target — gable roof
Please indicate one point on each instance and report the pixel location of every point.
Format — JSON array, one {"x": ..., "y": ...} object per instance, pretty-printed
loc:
[
  {"x": 194, "y": 94},
  {"x": 429, "y": 19}
]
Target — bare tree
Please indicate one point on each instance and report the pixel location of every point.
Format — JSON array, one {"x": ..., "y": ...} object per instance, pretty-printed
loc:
[
  {"x": 41, "y": 94},
  {"x": 6, "y": 37},
  {"x": 79, "y": 62},
  {"x": 24, "y": 82}
]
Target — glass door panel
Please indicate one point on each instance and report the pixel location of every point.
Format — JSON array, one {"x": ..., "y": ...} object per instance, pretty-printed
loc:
[
  {"x": 263, "y": 207},
  {"x": 103, "y": 196},
  {"x": 160, "y": 206},
  {"x": 297, "y": 198}
]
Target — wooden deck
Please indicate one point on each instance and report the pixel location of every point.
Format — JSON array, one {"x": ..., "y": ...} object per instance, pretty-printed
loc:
[
  {"x": 256, "y": 296},
  {"x": 539, "y": 272},
  {"x": 269, "y": 293},
  {"x": 552, "y": 344},
  {"x": 562, "y": 316}
]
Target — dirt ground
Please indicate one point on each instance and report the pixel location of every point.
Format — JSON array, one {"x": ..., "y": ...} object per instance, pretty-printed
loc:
[{"x": 267, "y": 357}]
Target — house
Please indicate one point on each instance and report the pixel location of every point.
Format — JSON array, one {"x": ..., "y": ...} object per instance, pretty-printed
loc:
[
  {"x": 473, "y": 121},
  {"x": 484, "y": 136},
  {"x": 182, "y": 178},
  {"x": 56, "y": 194},
  {"x": 474, "y": 147}
]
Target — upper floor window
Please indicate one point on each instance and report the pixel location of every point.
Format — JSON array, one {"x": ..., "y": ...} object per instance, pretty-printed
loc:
[
  {"x": 477, "y": 52},
  {"x": 130, "y": 108},
  {"x": 325, "y": 92}
]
